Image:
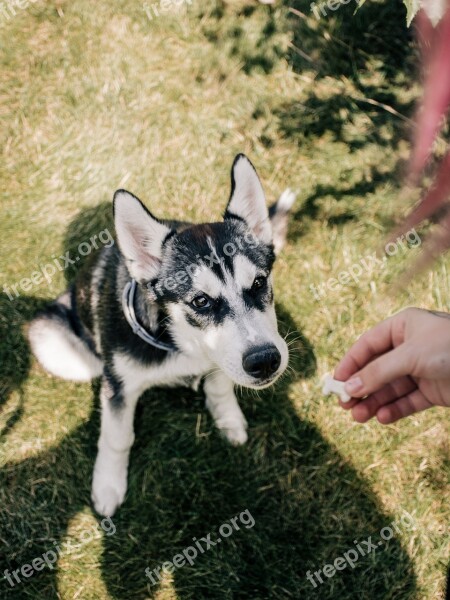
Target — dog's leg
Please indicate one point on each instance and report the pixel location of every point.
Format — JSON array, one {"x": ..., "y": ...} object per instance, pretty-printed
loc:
[
  {"x": 224, "y": 408},
  {"x": 109, "y": 483}
]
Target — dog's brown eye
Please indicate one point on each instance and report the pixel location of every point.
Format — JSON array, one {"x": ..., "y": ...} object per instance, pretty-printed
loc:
[
  {"x": 259, "y": 283},
  {"x": 201, "y": 302}
]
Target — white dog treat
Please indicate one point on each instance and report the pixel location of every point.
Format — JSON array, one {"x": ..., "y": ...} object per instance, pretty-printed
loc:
[{"x": 331, "y": 385}]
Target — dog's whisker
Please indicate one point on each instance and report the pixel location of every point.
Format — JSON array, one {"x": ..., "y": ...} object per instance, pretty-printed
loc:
[{"x": 292, "y": 341}]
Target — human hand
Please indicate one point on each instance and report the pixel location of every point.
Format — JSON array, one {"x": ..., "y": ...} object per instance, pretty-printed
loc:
[{"x": 399, "y": 367}]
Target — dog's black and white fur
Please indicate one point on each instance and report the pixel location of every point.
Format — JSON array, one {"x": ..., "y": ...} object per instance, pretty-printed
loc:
[{"x": 203, "y": 300}]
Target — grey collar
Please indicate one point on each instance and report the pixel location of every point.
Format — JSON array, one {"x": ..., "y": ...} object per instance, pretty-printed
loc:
[{"x": 128, "y": 310}]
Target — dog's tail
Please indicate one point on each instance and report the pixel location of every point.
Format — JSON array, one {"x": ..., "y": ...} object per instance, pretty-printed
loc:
[
  {"x": 61, "y": 343},
  {"x": 279, "y": 217}
]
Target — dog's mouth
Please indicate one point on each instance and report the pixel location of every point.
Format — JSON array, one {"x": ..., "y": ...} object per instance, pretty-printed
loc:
[{"x": 264, "y": 383}]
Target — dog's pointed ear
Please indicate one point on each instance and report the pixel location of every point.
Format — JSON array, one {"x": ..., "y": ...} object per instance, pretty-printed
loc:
[
  {"x": 140, "y": 236},
  {"x": 247, "y": 201}
]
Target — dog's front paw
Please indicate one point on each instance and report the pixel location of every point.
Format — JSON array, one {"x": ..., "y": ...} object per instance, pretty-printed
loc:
[
  {"x": 109, "y": 486},
  {"x": 227, "y": 416},
  {"x": 235, "y": 435},
  {"x": 233, "y": 429},
  {"x": 107, "y": 500}
]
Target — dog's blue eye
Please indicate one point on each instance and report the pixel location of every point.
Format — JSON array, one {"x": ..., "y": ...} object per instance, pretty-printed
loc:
[
  {"x": 201, "y": 301},
  {"x": 259, "y": 283}
]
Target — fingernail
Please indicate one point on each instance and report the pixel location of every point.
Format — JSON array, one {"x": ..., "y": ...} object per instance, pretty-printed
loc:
[{"x": 354, "y": 385}]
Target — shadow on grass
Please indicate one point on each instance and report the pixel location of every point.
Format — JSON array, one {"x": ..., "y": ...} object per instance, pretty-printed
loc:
[
  {"x": 337, "y": 115},
  {"x": 14, "y": 352},
  {"x": 355, "y": 47},
  {"x": 308, "y": 503},
  {"x": 357, "y": 69},
  {"x": 311, "y": 208},
  {"x": 346, "y": 42}
]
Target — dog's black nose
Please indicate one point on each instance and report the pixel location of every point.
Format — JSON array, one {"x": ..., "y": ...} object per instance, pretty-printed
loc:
[{"x": 261, "y": 362}]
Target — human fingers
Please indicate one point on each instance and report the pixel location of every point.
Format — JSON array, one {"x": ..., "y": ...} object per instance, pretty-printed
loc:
[
  {"x": 403, "y": 407},
  {"x": 372, "y": 343},
  {"x": 380, "y": 372},
  {"x": 367, "y": 408}
]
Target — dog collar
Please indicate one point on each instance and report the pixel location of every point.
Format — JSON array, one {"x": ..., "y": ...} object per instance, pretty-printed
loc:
[{"x": 130, "y": 316}]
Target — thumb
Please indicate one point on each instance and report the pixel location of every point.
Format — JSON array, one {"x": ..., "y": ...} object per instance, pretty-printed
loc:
[{"x": 379, "y": 372}]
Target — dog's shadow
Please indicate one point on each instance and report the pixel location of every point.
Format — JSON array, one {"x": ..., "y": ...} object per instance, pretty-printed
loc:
[{"x": 308, "y": 503}]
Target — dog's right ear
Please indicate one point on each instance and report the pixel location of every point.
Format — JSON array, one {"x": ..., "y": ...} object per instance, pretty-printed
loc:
[{"x": 140, "y": 236}]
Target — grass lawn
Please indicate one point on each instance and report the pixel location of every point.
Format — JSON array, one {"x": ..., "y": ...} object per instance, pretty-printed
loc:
[{"x": 97, "y": 96}]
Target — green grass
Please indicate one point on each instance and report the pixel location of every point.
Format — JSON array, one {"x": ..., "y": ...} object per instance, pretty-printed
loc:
[{"x": 94, "y": 97}]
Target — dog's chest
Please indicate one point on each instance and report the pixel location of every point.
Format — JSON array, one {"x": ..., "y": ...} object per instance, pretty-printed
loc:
[{"x": 177, "y": 370}]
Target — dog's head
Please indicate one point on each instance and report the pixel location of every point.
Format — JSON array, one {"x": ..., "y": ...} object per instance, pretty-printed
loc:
[{"x": 214, "y": 279}]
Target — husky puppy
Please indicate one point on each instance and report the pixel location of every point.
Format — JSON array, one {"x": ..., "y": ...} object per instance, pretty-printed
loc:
[{"x": 171, "y": 303}]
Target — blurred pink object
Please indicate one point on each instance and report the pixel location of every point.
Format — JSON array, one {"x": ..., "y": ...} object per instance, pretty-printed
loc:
[
  {"x": 433, "y": 33},
  {"x": 435, "y": 50}
]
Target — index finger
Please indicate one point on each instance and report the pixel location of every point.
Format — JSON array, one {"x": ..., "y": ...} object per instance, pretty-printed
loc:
[{"x": 370, "y": 345}]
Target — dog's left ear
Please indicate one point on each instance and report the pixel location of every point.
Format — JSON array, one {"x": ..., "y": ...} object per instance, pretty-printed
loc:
[
  {"x": 140, "y": 236},
  {"x": 247, "y": 201}
]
